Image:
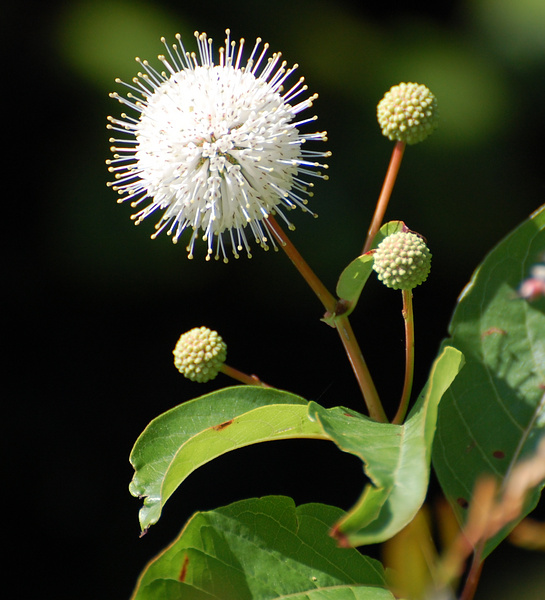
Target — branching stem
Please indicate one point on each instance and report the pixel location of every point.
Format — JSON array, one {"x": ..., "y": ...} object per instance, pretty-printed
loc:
[{"x": 361, "y": 371}]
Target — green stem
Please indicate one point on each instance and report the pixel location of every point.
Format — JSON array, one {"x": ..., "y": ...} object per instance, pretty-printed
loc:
[
  {"x": 408, "y": 316},
  {"x": 385, "y": 193},
  {"x": 363, "y": 376}
]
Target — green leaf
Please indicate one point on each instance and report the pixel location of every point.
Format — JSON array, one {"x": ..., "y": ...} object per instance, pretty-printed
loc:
[
  {"x": 494, "y": 413},
  {"x": 354, "y": 277},
  {"x": 261, "y": 549},
  {"x": 396, "y": 458},
  {"x": 388, "y": 229},
  {"x": 187, "y": 436}
]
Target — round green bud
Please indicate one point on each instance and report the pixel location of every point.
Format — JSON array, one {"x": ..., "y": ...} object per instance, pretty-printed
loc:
[
  {"x": 199, "y": 354},
  {"x": 408, "y": 113},
  {"x": 402, "y": 261}
]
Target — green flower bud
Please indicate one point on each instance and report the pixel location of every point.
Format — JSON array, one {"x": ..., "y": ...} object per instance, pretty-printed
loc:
[
  {"x": 199, "y": 354},
  {"x": 402, "y": 261},
  {"x": 408, "y": 113}
]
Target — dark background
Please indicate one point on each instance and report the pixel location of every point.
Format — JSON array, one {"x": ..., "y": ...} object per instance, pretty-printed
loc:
[{"x": 94, "y": 308}]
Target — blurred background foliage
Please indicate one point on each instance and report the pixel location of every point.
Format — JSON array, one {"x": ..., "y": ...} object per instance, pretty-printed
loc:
[{"x": 97, "y": 307}]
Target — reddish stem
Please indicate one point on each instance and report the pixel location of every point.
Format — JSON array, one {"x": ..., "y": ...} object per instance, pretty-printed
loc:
[
  {"x": 326, "y": 298},
  {"x": 470, "y": 586},
  {"x": 361, "y": 371},
  {"x": 242, "y": 377},
  {"x": 342, "y": 324},
  {"x": 385, "y": 193}
]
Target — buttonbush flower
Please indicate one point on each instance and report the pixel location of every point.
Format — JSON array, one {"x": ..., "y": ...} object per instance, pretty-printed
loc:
[
  {"x": 408, "y": 113},
  {"x": 215, "y": 147},
  {"x": 402, "y": 260},
  {"x": 199, "y": 354}
]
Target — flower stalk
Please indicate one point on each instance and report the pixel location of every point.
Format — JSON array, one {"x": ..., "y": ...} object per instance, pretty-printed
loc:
[
  {"x": 242, "y": 377},
  {"x": 385, "y": 193},
  {"x": 408, "y": 316}
]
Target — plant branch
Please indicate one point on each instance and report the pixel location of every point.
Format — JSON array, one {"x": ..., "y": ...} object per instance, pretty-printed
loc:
[
  {"x": 242, "y": 377},
  {"x": 385, "y": 193},
  {"x": 361, "y": 371},
  {"x": 326, "y": 298},
  {"x": 342, "y": 324},
  {"x": 472, "y": 579}
]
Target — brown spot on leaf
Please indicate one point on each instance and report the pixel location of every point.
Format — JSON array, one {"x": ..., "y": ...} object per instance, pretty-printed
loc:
[
  {"x": 222, "y": 425},
  {"x": 493, "y": 330},
  {"x": 183, "y": 571},
  {"x": 462, "y": 502},
  {"x": 498, "y": 454}
]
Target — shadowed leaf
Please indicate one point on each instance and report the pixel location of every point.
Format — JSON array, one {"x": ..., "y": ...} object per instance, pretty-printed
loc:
[{"x": 494, "y": 413}]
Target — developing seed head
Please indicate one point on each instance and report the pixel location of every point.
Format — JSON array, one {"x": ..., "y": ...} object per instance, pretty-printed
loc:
[
  {"x": 408, "y": 113},
  {"x": 402, "y": 261},
  {"x": 199, "y": 354}
]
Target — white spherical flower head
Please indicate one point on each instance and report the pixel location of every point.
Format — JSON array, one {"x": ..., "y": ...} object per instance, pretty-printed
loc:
[{"x": 216, "y": 147}]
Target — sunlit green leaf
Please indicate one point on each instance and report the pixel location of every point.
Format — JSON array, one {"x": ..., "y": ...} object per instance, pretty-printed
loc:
[
  {"x": 494, "y": 413},
  {"x": 396, "y": 458},
  {"x": 187, "y": 436},
  {"x": 262, "y": 549}
]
